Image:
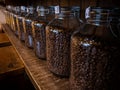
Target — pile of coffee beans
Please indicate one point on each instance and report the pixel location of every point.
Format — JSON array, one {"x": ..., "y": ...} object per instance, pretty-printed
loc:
[{"x": 58, "y": 50}]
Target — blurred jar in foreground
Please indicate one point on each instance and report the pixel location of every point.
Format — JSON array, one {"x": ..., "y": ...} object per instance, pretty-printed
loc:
[{"x": 95, "y": 51}]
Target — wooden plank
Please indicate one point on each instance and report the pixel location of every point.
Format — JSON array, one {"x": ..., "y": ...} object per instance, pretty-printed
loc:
[
  {"x": 10, "y": 63},
  {"x": 37, "y": 69},
  {"x": 4, "y": 40},
  {"x": 64, "y": 3}
]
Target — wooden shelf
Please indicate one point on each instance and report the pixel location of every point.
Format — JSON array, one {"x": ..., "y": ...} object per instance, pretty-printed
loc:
[
  {"x": 10, "y": 63},
  {"x": 36, "y": 68},
  {"x": 4, "y": 41}
]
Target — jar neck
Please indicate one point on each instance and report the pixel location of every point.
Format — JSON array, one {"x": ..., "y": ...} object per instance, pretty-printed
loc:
[
  {"x": 103, "y": 16},
  {"x": 17, "y": 10},
  {"x": 30, "y": 10},
  {"x": 23, "y": 9},
  {"x": 43, "y": 11},
  {"x": 65, "y": 14}
]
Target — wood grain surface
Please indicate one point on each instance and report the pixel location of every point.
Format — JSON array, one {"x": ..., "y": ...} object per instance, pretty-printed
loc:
[
  {"x": 10, "y": 63},
  {"x": 4, "y": 40}
]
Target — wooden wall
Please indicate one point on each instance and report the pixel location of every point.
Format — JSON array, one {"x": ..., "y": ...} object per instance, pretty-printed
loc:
[
  {"x": 16, "y": 2},
  {"x": 64, "y": 2}
]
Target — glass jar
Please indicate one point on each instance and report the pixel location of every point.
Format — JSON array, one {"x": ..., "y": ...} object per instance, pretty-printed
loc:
[
  {"x": 12, "y": 19},
  {"x": 20, "y": 29},
  {"x": 15, "y": 15},
  {"x": 95, "y": 51},
  {"x": 58, "y": 33},
  {"x": 8, "y": 7},
  {"x": 28, "y": 26},
  {"x": 39, "y": 32},
  {"x": 10, "y": 15}
]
